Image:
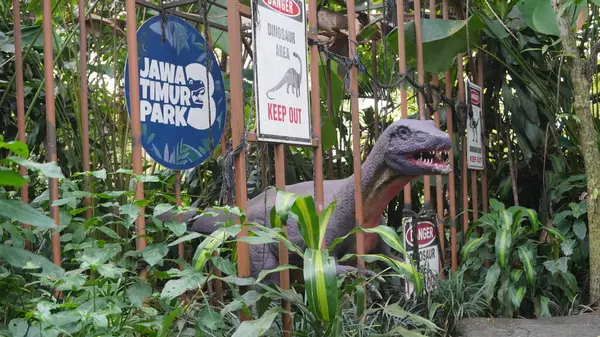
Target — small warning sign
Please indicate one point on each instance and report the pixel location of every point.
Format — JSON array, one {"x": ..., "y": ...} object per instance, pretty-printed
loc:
[
  {"x": 474, "y": 142},
  {"x": 429, "y": 258},
  {"x": 281, "y": 74}
]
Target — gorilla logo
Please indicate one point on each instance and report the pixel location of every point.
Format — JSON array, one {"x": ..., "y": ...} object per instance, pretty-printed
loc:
[{"x": 202, "y": 99}]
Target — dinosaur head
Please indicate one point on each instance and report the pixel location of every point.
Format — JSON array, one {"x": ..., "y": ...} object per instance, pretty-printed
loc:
[{"x": 416, "y": 147}]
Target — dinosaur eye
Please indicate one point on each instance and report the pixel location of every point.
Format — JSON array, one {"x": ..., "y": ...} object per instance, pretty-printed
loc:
[{"x": 403, "y": 132}]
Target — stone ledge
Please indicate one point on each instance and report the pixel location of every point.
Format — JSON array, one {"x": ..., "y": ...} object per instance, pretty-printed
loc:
[{"x": 584, "y": 325}]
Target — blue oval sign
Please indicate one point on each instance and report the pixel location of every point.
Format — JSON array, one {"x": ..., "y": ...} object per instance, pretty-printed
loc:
[{"x": 182, "y": 97}]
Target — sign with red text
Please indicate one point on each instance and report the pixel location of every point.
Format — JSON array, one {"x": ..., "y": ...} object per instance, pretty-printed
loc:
[
  {"x": 281, "y": 74},
  {"x": 474, "y": 139},
  {"x": 429, "y": 258}
]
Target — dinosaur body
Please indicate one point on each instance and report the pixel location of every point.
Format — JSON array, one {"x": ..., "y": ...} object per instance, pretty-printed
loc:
[
  {"x": 405, "y": 150},
  {"x": 292, "y": 78}
]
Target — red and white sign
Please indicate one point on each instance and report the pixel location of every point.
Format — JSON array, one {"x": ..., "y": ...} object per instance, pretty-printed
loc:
[
  {"x": 425, "y": 234},
  {"x": 474, "y": 137},
  {"x": 280, "y": 72},
  {"x": 429, "y": 258}
]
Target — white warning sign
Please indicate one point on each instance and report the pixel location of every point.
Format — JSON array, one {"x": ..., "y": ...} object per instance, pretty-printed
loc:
[
  {"x": 281, "y": 74},
  {"x": 474, "y": 143},
  {"x": 429, "y": 258}
]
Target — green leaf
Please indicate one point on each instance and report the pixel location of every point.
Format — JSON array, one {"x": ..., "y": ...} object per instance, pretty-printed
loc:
[
  {"x": 50, "y": 170},
  {"x": 168, "y": 321},
  {"x": 11, "y": 178},
  {"x": 21, "y": 258},
  {"x": 322, "y": 290},
  {"x": 526, "y": 258},
  {"x": 397, "y": 311},
  {"x": 503, "y": 244},
  {"x": 108, "y": 232},
  {"x": 188, "y": 237},
  {"x": 580, "y": 229},
  {"x": 521, "y": 212},
  {"x": 137, "y": 292},
  {"x": 259, "y": 326},
  {"x": 207, "y": 246},
  {"x": 154, "y": 253},
  {"x": 110, "y": 270},
  {"x": 305, "y": 213},
  {"x": 283, "y": 204},
  {"x": 16, "y": 147},
  {"x": 21, "y": 212},
  {"x": 162, "y": 208},
  {"x": 389, "y": 236},
  {"x": 471, "y": 246},
  {"x": 178, "y": 228},
  {"x": 323, "y": 221},
  {"x": 17, "y": 327},
  {"x": 568, "y": 246},
  {"x": 278, "y": 269},
  {"x": 491, "y": 278},
  {"x": 407, "y": 270},
  {"x": 516, "y": 295},
  {"x": 579, "y": 209},
  {"x": 542, "y": 307},
  {"x": 447, "y": 35},
  {"x": 190, "y": 280},
  {"x": 496, "y": 205}
]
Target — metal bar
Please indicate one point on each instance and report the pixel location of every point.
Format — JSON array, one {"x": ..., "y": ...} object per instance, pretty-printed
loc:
[
  {"x": 421, "y": 81},
  {"x": 358, "y": 197},
  {"x": 237, "y": 132},
  {"x": 20, "y": 94},
  {"x": 315, "y": 100},
  {"x": 189, "y": 16},
  {"x": 375, "y": 89},
  {"x": 465, "y": 182},
  {"x": 451, "y": 181},
  {"x": 136, "y": 127},
  {"x": 330, "y": 168},
  {"x": 85, "y": 121},
  {"x": 484, "y": 193},
  {"x": 439, "y": 193},
  {"x": 180, "y": 247},
  {"x": 50, "y": 120},
  {"x": 284, "y": 275},
  {"x": 403, "y": 96}
]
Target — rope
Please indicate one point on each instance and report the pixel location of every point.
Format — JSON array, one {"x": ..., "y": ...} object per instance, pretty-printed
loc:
[{"x": 348, "y": 63}]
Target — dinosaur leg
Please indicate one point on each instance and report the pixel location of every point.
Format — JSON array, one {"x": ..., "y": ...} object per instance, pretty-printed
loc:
[{"x": 345, "y": 269}]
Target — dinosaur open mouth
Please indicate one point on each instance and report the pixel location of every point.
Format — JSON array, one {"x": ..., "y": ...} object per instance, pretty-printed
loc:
[{"x": 430, "y": 158}]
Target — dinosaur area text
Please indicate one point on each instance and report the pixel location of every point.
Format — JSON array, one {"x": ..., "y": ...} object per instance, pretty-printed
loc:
[
  {"x": 165, "y": 97},
  {"x": 278, "y": 113},
  {"x": 284, "y": 35}
]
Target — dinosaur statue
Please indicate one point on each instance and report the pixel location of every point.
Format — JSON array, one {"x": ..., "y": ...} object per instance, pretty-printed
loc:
[{"x": 405, "y": 150}]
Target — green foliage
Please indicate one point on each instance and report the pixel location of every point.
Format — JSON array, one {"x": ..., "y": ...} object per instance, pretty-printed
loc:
[{"x": 529, "y": 263}]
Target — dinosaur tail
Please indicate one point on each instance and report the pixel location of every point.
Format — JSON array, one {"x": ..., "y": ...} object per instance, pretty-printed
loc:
[{"x": 276, "y": 87}]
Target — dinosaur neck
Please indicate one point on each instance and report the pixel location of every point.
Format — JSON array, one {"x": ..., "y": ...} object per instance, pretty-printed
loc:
[{"x": 379, "y": 186}]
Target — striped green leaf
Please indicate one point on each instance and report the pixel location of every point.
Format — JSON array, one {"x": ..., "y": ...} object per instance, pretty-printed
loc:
[
  {"x": 207, "y": 247},
  {"x": 503, "y": 242},
  {"x": 360, "y": 299},
  {"x": 278, "y": 235},
  {"x": 471, "y": 246},
  {"x": 515, "y": 275},
  {"x": 283, "y": 204},
  {"x": 528, "y": 261},
  {"x": 555, "y": 233},
  {"x": 407, "y": 270},
  {"x": 323, "y": 221},
  {"x": 516, "y": 295},
  {"x": 305, "y": 213},
  {"x": 389, "y": 236},
  {"x": 506, "y": 219},
  {"x": 321, "y": 284},
  {"x": 522, "y": 212}
]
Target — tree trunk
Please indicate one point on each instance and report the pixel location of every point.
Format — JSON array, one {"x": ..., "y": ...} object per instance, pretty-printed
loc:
[{"x": 581, "y": 79}]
